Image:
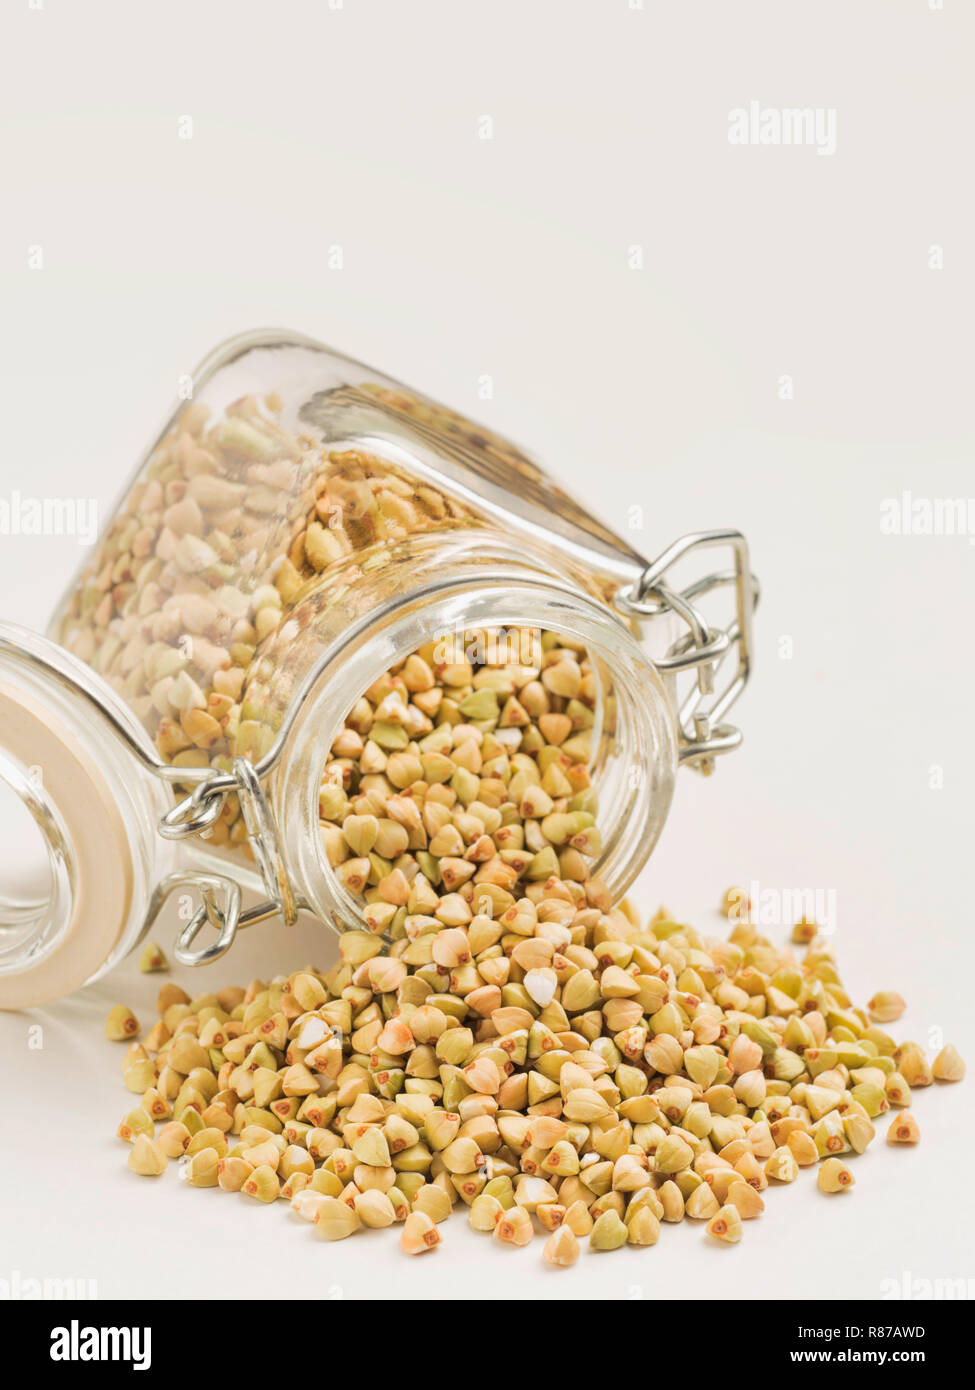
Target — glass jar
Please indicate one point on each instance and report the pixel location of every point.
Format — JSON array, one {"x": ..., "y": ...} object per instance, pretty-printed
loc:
[{"x": 300, "y": 526}]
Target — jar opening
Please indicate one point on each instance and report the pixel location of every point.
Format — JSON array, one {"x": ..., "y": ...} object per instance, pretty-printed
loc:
[
  {"x": 490, "y": 649},
  {"x": 633, "y": 745},
  {"x": 35, "y": 897}
]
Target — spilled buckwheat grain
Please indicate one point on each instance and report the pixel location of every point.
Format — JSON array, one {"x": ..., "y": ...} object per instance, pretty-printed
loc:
[
  {"x": 612, "y": 1109},
  {"x": 503, "y": 1038}
]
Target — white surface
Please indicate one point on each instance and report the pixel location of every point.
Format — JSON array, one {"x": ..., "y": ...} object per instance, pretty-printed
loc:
[{"x": 652, "y": 389}]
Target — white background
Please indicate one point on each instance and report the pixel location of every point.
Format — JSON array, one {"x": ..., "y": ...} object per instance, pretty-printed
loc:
[{"x": 655, "y": 388}]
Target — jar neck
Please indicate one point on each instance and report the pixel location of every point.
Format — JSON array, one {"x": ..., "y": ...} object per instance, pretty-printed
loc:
[{"x": 634, "y": 759}]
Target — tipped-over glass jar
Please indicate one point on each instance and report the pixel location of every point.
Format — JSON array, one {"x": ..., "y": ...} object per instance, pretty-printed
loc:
[{"x": 301, "y": 526}]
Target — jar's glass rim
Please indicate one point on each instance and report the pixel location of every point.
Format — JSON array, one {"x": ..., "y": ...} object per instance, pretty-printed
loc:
[
  {"x": 644, "y": 771},
  {"x": 21, "y": 647}
]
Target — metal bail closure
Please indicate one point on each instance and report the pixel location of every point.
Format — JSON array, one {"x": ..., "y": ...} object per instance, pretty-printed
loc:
[
  {"x": 194, "y": 815},
  {"x": 263, "y": 836},
  {"x": 702, "y": 648},
  {"x": 224, "y": 920}
]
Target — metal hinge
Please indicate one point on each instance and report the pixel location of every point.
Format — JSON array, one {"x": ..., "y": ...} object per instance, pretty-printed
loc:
[
  {"x": 702, "y": 648},
  {"x": 196, "y": 813}
]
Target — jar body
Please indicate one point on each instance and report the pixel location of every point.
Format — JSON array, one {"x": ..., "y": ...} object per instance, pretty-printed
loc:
[
  {"x": 298, "y": 529},
  {"x": 296, "y": 507}
]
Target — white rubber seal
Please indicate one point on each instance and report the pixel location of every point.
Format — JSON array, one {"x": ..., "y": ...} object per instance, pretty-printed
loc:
[{"x": 102, "y": 882}]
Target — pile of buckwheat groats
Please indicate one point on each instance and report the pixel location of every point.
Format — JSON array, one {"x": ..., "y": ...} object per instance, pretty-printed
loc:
[{"x": 503, "y": 1037}]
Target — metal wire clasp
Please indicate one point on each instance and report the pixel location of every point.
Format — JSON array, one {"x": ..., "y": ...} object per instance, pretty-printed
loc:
[
  {"x": 702, "y": 648},
  {"x": 194, "y": 815}
]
